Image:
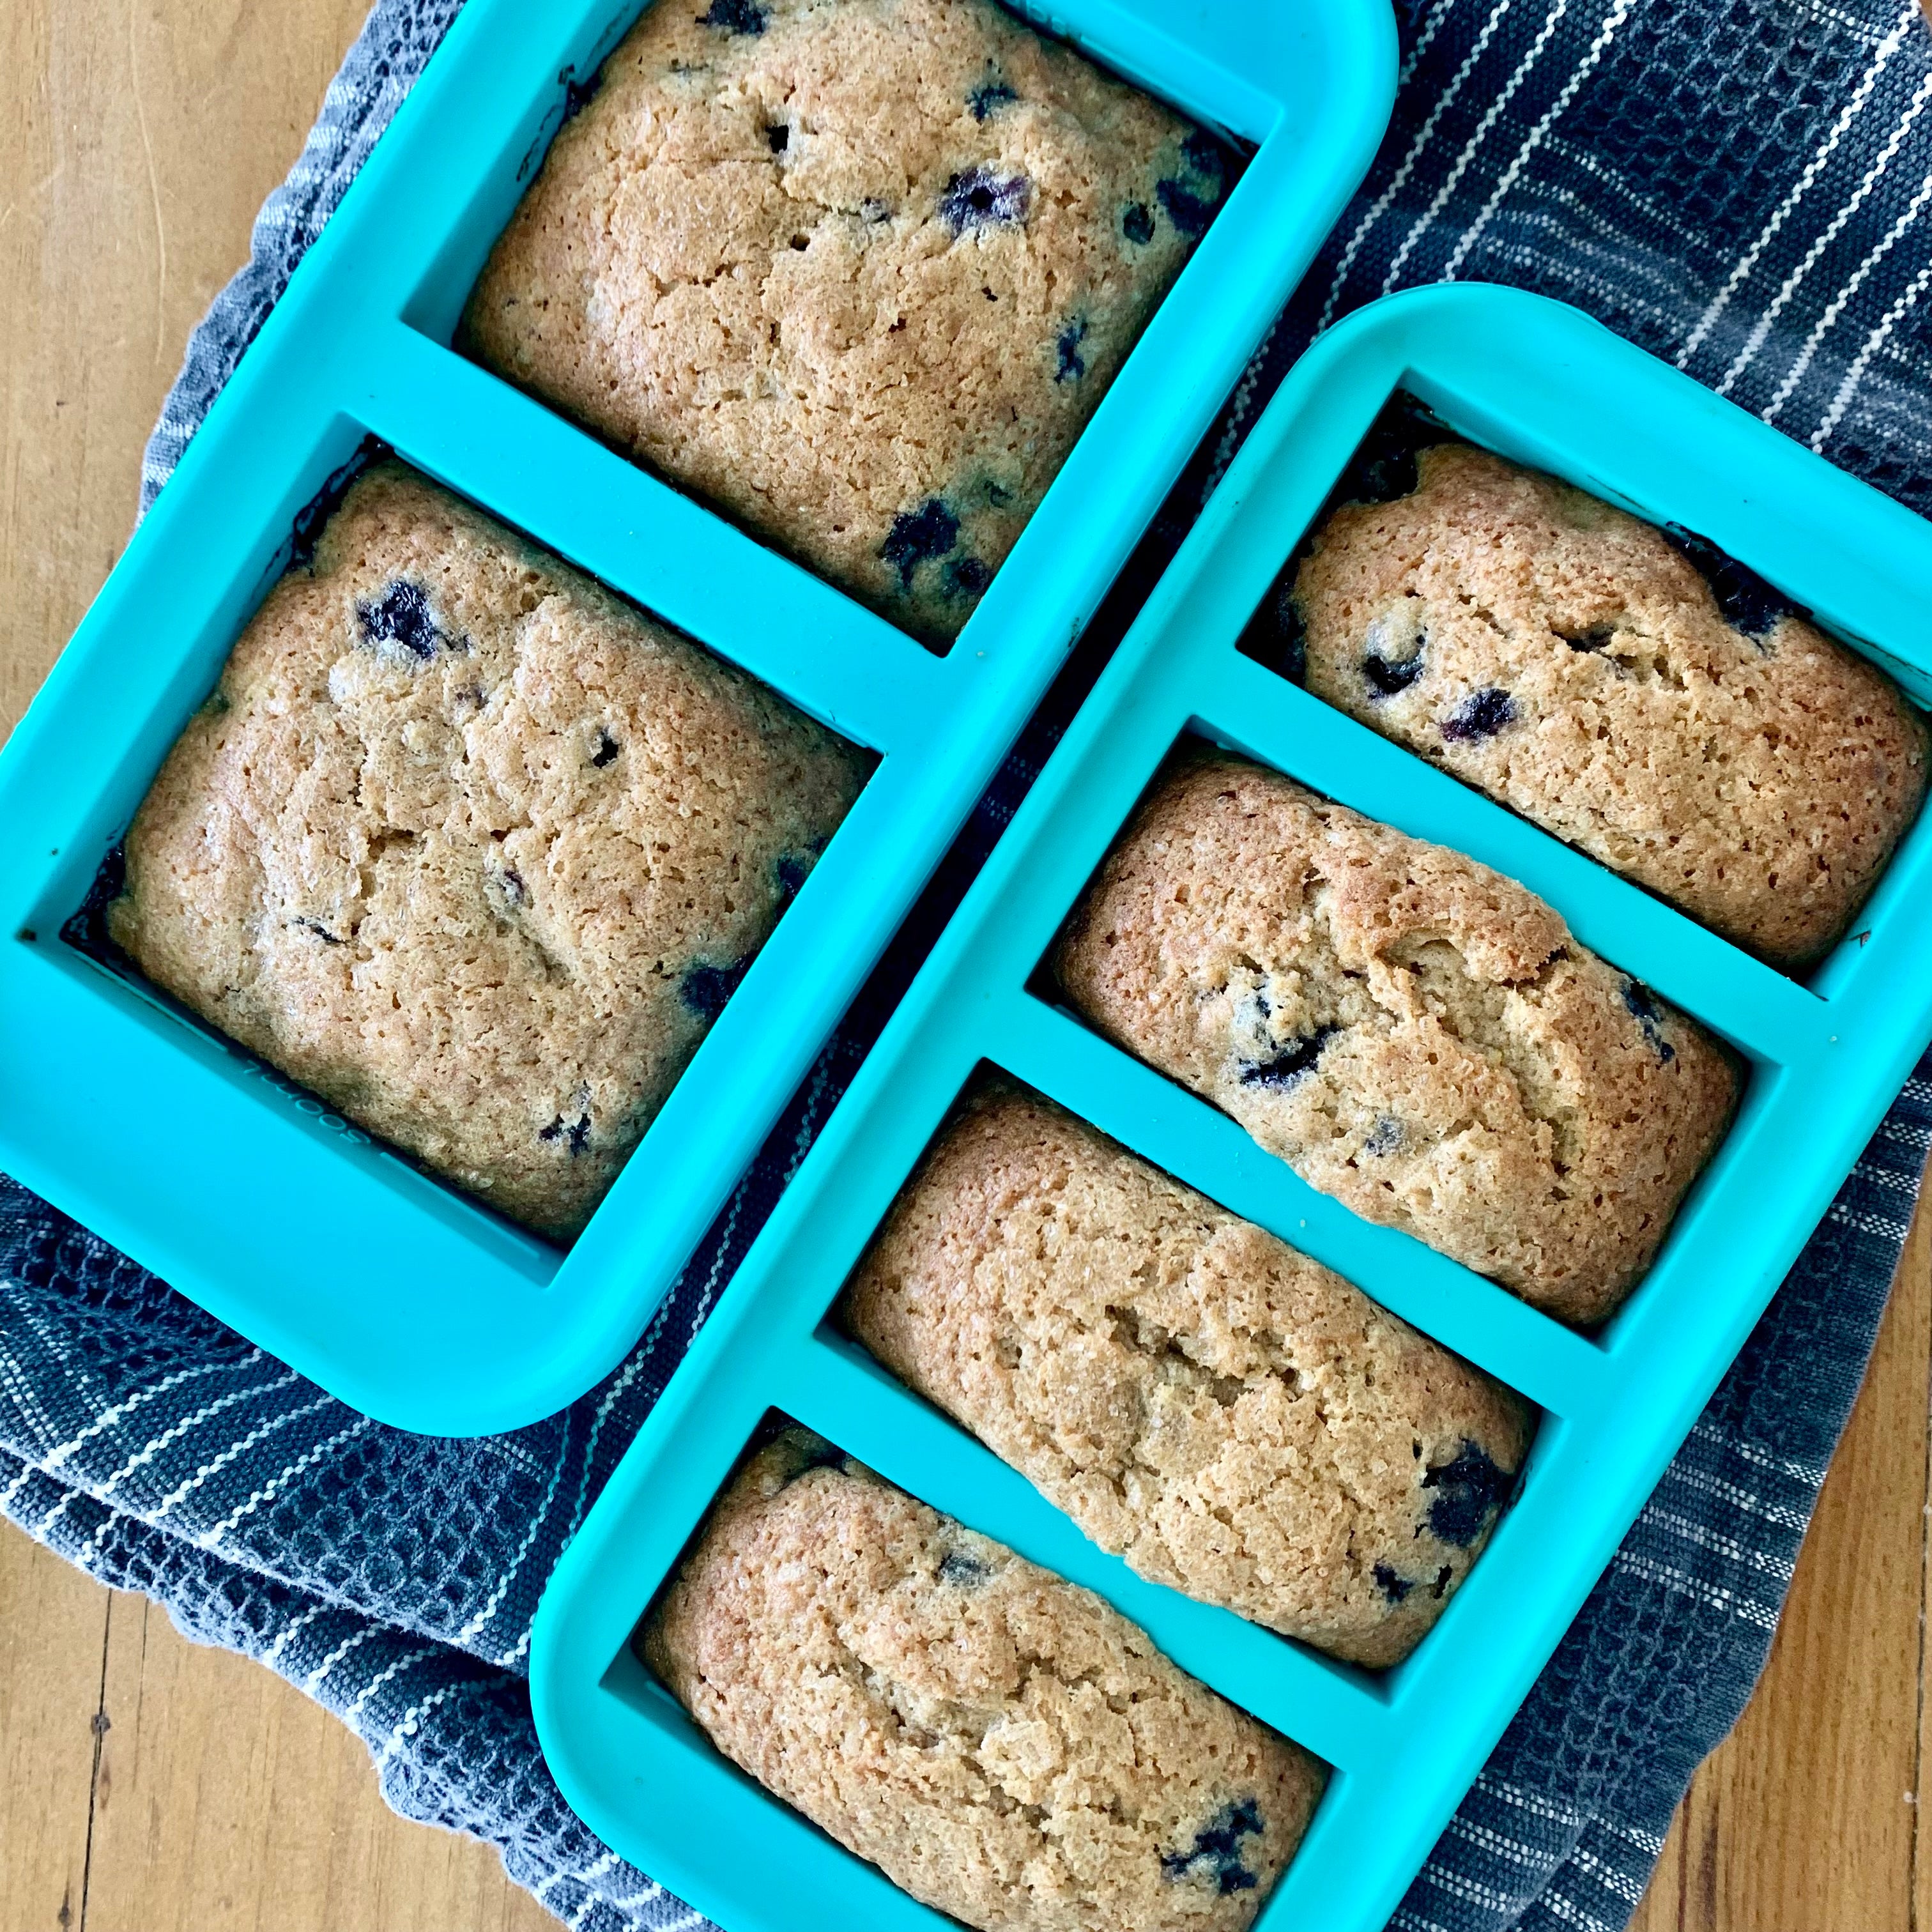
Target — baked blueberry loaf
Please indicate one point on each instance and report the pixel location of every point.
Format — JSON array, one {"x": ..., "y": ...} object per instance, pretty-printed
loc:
[
  {"x": 856, "y": 271},
  {"x": 1002, "y": 1745},
  {"x": 473, "y": 849},
  {"x": 1412, "y": 1033},
  {"x": 1231, "y": 1417},
  {"x": 1637, "y": 695}
]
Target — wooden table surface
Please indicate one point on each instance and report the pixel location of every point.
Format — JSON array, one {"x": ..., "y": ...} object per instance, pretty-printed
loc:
[{"x": 147, "y": 1785}]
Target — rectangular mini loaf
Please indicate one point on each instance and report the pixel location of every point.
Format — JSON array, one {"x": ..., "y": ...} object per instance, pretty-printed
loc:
[
  {"x": 857, "y": 272},
  {"x": 472, "y": 848},
  {"x": 1411, "y": 1032},
  {"x": 1002, "y": 1744},
  {"x": 1235, "y": 1420},
  {"x": 1636, "y": 694}
]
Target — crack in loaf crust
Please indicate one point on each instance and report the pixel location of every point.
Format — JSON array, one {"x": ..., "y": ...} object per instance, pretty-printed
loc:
[
  {"x": 858, "y": 271},
  {"x": 1231, "y": 1416},
  {"x": 1413, "y": 1033},
  {"x": 1002, "y": 1743},
  {"x": 1719, "y": 750},
  {"x": 473, "y": 849}
]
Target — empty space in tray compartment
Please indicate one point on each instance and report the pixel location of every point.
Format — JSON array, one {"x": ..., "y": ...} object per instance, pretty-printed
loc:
[
  {"x": 694, "y": 248},
  {"x": 444, "y": 775},
  {"x": 1626, "y": 685}
]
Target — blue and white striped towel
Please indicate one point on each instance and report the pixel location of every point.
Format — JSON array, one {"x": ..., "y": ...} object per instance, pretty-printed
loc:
[{"x": 1744, "y": 186}]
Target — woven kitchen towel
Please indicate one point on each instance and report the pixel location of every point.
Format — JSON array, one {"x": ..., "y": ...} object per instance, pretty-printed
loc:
[{"x": 1742, "y": 188}]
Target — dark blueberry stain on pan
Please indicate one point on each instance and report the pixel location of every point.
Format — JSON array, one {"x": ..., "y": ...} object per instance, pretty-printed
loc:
[
  {"x": 1643, "y": 1008},
  {"x": 1471, "y": 1491},
  {"x": 705, "y": 988},
  {"x": 1481, "y": 715},
  {"x": 793, "y": 871},
  {"x": 805, "y": 1451},
  {"x": 1137, "y": 224},
  {"x": 1392, "y": 1586},
  {"x": 576, "y": 93},
  {"x": 989, "y": 97},
  {"x": 963, "y": 1571},
  {"x": 1745, "y": 601},
  {"x": 1216, "y": 1852},
  {"x": 1388, "y": 675},
  {"x": 919, "y": 536},
  {"x": 1292, "y": 1064},
  {"x": 1273, "y": 636},
  {"x": 575, "y": 1133},
  {"x": 980, "y": 198},
  {"x": 1072, "y": 364},
  {"x": 401, "y": 616},
  {"x": 606, "y": 751},
  {"x": 734, "y": 17}
]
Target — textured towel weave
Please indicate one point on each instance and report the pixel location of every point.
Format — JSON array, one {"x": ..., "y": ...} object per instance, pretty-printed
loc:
[{"x": 1743, "y": 188}]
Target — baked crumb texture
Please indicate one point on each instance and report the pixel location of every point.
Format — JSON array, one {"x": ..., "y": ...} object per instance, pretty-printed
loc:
[
  {"x": 1236, "y": 1420},
  {"x": 473, "y": 849},
  {"x": 857, "y": 271},
  {"x": 1002, "y": 1744},
  {"x": 1412, "y": 1033},
  {"x": 1638, "y": 695}
]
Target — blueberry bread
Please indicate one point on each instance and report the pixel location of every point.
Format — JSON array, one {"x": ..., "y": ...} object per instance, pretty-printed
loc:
[
  {"x": 1002, "y": 1744},
  {"x": 1412, "y": 1033},
  {"x": 472, "y": 848},
  {"x": 857, "y": 272},
  {"x": 1640, "y": 697},
  {"x": 1233, "y": 1419}
]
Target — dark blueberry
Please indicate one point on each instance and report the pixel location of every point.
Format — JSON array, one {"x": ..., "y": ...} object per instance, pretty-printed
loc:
[
  {"x": 1748, "y": 603},
  {"x": 576, "y": 93},
  {"x": 515, "y": 890},
  {"x": 1185, "y": 208},
  {"x": 981, "y": 198},
  {"x": 321, "y": 931},
  {"x": 704, "y": 989},
  {"x": 577, "y": 1131},
  {"x": 1472, "y": 1490},
  {"x": 1643, "y": 1008},
  {"x": 970, "y": 576},
  {"x": 917, "y": 536},
  {"x": 1481, "y": 715},
  {"x": 401, "y": 616},
  {"x": 735, "y": 16},
  {"x": 1205, "y": 156},
  {"x": 988, "y": 97},
  {"x": 607, "y": 750},
  {"x": 1215, "y": 1852},
  {"x": 1392, "y": 1586},
  {"x": 1137, "y": 224},
  {"x": 793, "y": 873},
  {"x": 1387, "y": 676},
  {"x": 1385, "y": 1136},
  {"x": 1298, "y": 1057},
  {"x": 1072, "y": 364},
  {"x": 966, "y": 1572},
  {"x": 778, "y": 137}
]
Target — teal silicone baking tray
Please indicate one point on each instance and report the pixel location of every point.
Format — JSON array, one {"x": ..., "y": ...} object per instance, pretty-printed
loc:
[
  {"x": 1539, "y": 383},
  {"x": 392, "y": 1290}
]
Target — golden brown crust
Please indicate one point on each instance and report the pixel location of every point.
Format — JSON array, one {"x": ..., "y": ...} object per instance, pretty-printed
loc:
[
  {"x": 1413, "y": 1033},
  {"x": 860, "y": 277},
  {"x": 1004, "y": 1745},
  {"x": 1235, "y": 1420},
  {"x": 1759, "y": 782},
  {"x": 473, "y": 849}
]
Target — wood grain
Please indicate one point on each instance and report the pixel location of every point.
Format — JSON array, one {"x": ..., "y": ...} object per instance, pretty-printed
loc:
[{"x": 148, "y": 1786}]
